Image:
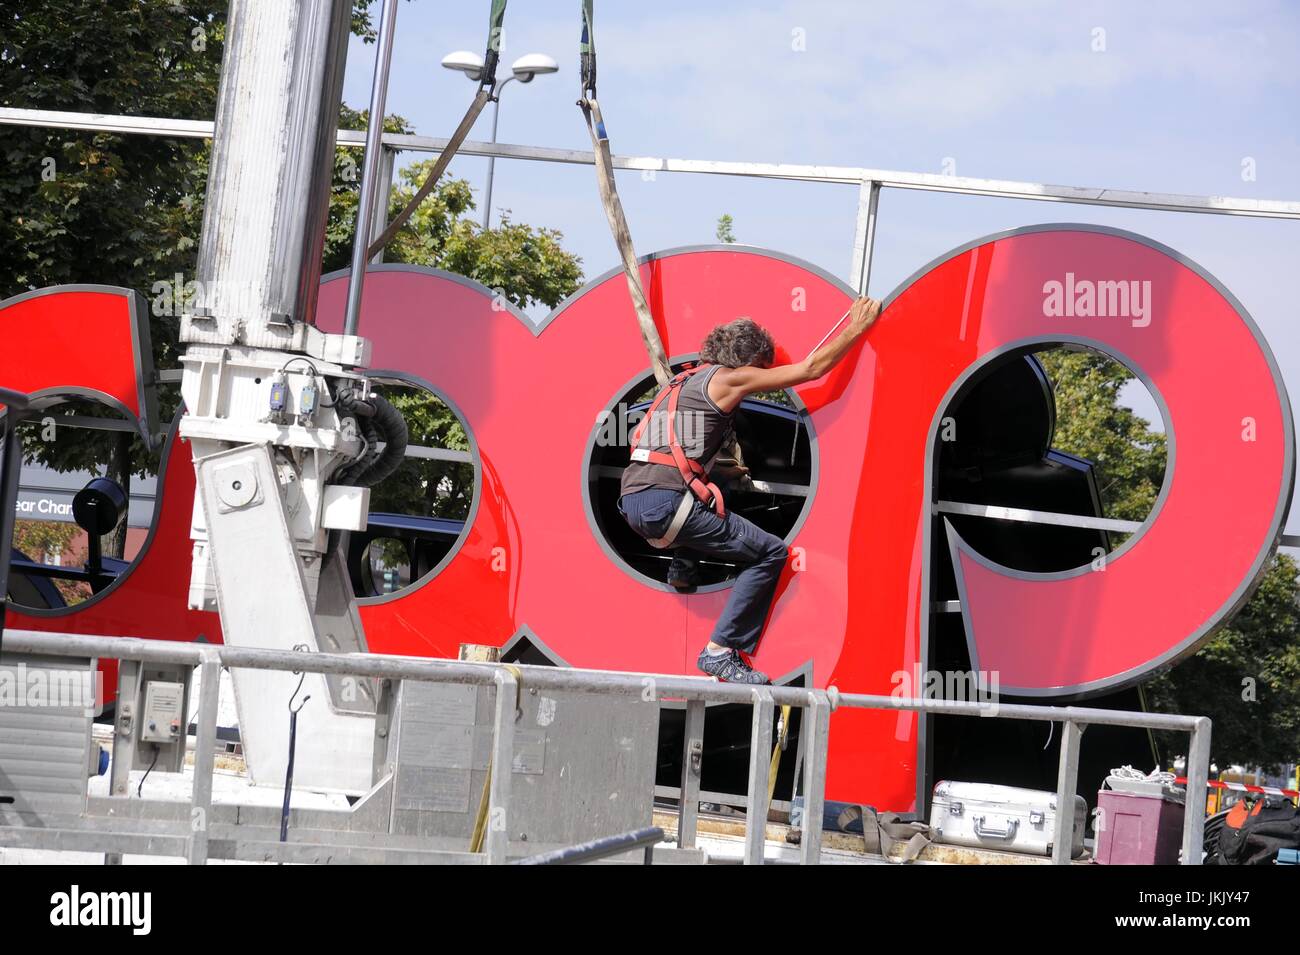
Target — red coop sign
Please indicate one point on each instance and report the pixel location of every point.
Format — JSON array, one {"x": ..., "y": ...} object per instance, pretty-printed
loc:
[{"x": 856, "y": 603}]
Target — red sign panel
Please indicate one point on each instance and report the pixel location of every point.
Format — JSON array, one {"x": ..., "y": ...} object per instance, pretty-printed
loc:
[{"x": 854, "y": 604}]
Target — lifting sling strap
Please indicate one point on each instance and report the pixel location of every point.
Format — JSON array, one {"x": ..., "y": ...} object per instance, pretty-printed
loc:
[
  {"x": 675, "y": 525},
  {"x": 487, "y": 91},
  {"x": 610, "y": 201},
  {"x": 613, "y": 207},
  {"x": 693, "y": 473},
  {"x": 885, "y": 832}
]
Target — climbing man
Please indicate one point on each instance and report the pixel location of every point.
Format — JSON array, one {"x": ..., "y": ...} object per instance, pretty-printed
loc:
[{"x": 668, "y": 498}]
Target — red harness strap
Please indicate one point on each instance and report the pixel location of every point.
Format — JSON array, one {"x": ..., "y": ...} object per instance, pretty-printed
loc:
[{"x": 692, "y": 471}]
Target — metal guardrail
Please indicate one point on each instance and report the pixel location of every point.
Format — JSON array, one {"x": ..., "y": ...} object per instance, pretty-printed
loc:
[{"x": 695, "y": 692}]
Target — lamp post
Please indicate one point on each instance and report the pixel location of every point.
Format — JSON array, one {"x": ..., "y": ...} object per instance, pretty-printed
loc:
[{"x": 523, "y": 70}]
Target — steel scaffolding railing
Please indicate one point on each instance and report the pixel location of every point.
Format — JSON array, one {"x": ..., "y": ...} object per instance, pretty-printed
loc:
[{"x": 695, "y": 692}]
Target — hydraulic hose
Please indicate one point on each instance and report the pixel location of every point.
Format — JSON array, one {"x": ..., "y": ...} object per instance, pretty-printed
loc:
[
  {"x": 378, "y": 422},
  {"x": 390, "y": 424}
]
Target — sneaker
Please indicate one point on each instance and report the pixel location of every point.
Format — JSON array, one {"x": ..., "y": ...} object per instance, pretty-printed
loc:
[{"x": 730, "y": 667}]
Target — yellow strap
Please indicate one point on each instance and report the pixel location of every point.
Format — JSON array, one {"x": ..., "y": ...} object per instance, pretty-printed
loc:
[
  {"x": 476, "y": 839},
  {"x": 776, "y": 752}
]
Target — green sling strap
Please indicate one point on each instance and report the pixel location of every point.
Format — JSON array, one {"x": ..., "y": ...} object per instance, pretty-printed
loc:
[{"x": 486, "y": 92}]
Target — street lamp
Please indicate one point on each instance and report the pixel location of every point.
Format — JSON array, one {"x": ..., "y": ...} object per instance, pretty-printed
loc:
[
  {"x": 524, "y": 70},
  {"x": 471, "y": 64}
]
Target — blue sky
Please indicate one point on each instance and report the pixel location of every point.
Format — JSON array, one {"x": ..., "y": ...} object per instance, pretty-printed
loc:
[{"x": 1181, "y": 96}]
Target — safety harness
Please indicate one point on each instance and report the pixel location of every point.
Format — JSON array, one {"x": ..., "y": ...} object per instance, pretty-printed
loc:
[{"x": 693, "y": 472}]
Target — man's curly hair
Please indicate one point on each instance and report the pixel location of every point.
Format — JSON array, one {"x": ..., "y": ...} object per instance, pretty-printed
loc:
[{"x": 739, "y": 343}]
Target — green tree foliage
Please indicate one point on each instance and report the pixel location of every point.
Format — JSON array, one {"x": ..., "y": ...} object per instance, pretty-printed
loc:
[
  {"x": 430, "y": 488},
  {"x": 363, "y": 24},
  {"x": 527, "y": 265},
  {"x": 48, "y": 542},
  {"x": 1091, "y": 422},
  {"x": 40, "y": 541},
  {"x": 100, "y": 207},
  {"x": 724, "y": 233},
  {"x": 1247, "y": 677}
]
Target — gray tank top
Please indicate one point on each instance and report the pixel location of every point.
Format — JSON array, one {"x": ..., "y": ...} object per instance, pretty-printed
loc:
[{"x": 702, "y": 428}]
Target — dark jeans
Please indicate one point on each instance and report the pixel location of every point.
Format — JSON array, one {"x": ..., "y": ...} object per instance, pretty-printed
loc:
[{"x": 732, "y": 538}]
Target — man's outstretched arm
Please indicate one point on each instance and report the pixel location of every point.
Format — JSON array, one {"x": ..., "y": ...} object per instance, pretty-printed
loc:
[{"x": 729, "y": 386}]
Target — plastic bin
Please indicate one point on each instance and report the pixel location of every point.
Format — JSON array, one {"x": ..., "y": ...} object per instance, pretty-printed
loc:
[{"x": 1138, "y": 828}]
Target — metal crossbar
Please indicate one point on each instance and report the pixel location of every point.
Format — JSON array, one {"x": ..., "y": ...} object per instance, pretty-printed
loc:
[
  {"x": 1027, "y": 516},
  {"x": 849, "y": 175},
  {"x": 696, "y": 692},
  {"x": 1054, "y": 518}
]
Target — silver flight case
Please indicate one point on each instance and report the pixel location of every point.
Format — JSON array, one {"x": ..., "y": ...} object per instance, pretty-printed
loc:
[{"x": 986, "y": 816}]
